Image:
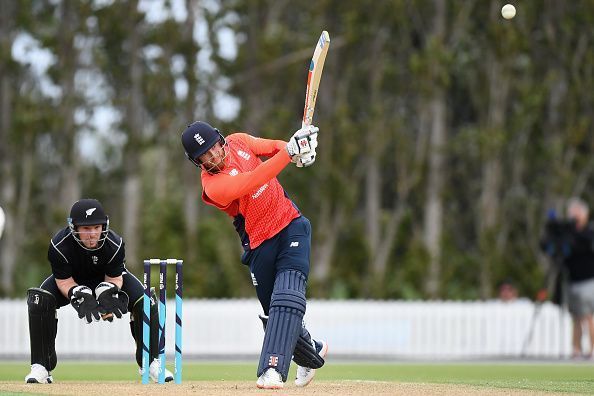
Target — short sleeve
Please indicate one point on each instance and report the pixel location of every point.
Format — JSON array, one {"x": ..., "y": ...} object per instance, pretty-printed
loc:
[
  {"x": 115, "y": 266},
  {"x": 61, "y": 268}
]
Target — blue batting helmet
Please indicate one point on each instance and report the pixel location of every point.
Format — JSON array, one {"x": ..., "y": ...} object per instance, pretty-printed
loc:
[{"x": 198, "y": 138}]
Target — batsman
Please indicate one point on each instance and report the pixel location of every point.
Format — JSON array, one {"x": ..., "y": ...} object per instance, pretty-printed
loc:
[
  {"x": 88, "y": 273},
  {"x": 276, "y": 237}
]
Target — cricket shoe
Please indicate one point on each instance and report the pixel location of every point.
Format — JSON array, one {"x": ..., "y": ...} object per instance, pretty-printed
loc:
[
  {"x": 305, "y": 374},
  {"x": 154, "y": 371},
  {"x": 270, "y": 379},
  {"x": 38, "y": 375}
]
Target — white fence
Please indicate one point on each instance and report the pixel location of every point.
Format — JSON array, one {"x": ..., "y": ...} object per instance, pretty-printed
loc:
[{"x": 353, "y": 329}]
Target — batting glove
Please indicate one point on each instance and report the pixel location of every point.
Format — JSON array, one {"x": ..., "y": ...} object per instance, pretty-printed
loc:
[
  {"x": 303, "y": 141},
  {"x": 83, "y": 301},
  {"x": 305, "y": 160}
]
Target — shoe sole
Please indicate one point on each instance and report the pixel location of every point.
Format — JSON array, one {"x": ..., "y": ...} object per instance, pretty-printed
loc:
[
  {"x": 167, "y": 379},
  {"x": 322, "y": 353},
  {"x": 34, "y": 381},
  {"x": 269, "y": 386}
]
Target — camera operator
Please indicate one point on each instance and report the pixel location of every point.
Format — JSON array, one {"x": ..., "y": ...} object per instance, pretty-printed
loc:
[{"x": 571, "y": 243}]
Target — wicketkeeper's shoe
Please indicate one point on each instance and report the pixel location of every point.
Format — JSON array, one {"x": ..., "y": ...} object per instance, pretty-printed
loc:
[
  {"x": 305, "y": 374},
  {"x": 38, "y": 375},
  {"x": 270, "y": 379},
  {"x": 154, "y": 371}
]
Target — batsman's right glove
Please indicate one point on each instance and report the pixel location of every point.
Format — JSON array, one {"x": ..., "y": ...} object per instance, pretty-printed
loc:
[
  {"x": 82, "y": 299},
  {"x": 111, "y": 299},
  {"x": 305, "y": 140}
]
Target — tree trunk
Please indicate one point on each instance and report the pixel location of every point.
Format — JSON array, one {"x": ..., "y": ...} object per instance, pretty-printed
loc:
[
  {"x": 132, "y": 183},
  {"x": 191, "y": 174},
  {"x": 436, "y": 107},
  {"x": 331, "y": 216},
  {"x": 253, "y": 88},
  {"x": 489, "y": 211},
  {"x": 67, "y": 57},
  {"x": 433, "y": 223},
  {"x": 9, "y": 243},
  {"x": 374, "y": 144},
  {"x": 325, "y": 238}
]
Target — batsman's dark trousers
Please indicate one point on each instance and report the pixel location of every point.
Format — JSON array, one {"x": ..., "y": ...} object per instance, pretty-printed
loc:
[{"x": 287, "y": 250}]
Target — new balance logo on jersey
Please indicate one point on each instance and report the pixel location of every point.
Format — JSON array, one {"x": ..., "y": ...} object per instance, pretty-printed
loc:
[
  {"x": 234, "y": 172},
  {"x": 243, "y": 155},
  {"x": 273, "y": 361},
  {"x": 36, "y": 301},
  {"x": 95, "y": 260},
  {"x": 254, "y": 281},
  {"x": 89, "y": 212},
  {"x": 199, "y": 139},
  {"x": 294, "y": 244}
]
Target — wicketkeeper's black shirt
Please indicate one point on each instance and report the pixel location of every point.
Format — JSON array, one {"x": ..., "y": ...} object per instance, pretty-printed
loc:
[{"x": 69, "y": 259}]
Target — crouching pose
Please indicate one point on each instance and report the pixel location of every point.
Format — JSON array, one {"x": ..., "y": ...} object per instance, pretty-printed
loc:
[
  {"x": 88, "y": 273},
  {"x": 275, "y": 236}
]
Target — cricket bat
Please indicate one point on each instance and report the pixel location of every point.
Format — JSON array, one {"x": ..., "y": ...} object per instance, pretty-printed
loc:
[{"x": 314, "y": 75}]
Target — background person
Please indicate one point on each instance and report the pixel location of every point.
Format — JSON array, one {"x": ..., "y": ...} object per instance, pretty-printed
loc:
[
  {"x": 580, "y": 269},
  {"x": 507, "y": 291}
]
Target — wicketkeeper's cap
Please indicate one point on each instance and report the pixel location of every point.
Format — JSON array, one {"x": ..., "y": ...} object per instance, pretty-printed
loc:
[{"x": 87, "y": 212}]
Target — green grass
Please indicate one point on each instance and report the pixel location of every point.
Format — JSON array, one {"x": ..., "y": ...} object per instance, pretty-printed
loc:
[{"x": 574, "y": 378}]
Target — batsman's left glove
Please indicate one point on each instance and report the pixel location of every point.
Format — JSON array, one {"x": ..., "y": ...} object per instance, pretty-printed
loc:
[{"x": 111, "y": 299}]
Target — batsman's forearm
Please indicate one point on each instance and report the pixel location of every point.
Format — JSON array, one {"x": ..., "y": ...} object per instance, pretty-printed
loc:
[{"x": 223, "y": 189}]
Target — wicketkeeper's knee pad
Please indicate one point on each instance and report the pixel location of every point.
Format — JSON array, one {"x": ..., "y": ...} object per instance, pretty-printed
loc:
[
  {"x": 136, "y": 326},
  {"x": 287, "y": 307},
  {"x": 43, "y": 326}
]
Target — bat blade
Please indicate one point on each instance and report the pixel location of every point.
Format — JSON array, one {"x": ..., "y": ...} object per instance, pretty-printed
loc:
[{"x": 314, "y": 76}]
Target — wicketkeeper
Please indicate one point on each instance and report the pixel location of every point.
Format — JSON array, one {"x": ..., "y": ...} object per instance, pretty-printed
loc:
[
  {"x": 88, "y": 273},
  {"x": 275, "y": 236}
]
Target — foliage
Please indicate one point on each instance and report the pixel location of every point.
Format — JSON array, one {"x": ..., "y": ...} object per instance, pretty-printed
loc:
[{"x": 518, "y": 135}]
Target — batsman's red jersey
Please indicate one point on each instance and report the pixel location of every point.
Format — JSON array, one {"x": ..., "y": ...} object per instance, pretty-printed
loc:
[{"x": 247, "y": 188}]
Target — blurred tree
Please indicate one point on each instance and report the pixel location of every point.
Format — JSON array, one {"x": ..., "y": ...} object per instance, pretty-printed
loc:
[
  {"x": 122, "y": 29},
  {"x": 24, "y": 117},
  {"x": 8, "y": 72},
  {"x": 446, "y": 133}
]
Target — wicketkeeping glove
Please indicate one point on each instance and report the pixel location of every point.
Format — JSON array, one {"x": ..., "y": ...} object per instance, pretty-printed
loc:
[
  {"x": 303, "y": 141},
  {"x": 111, "y": 299},
  {"x": 82, "y": 299}
]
